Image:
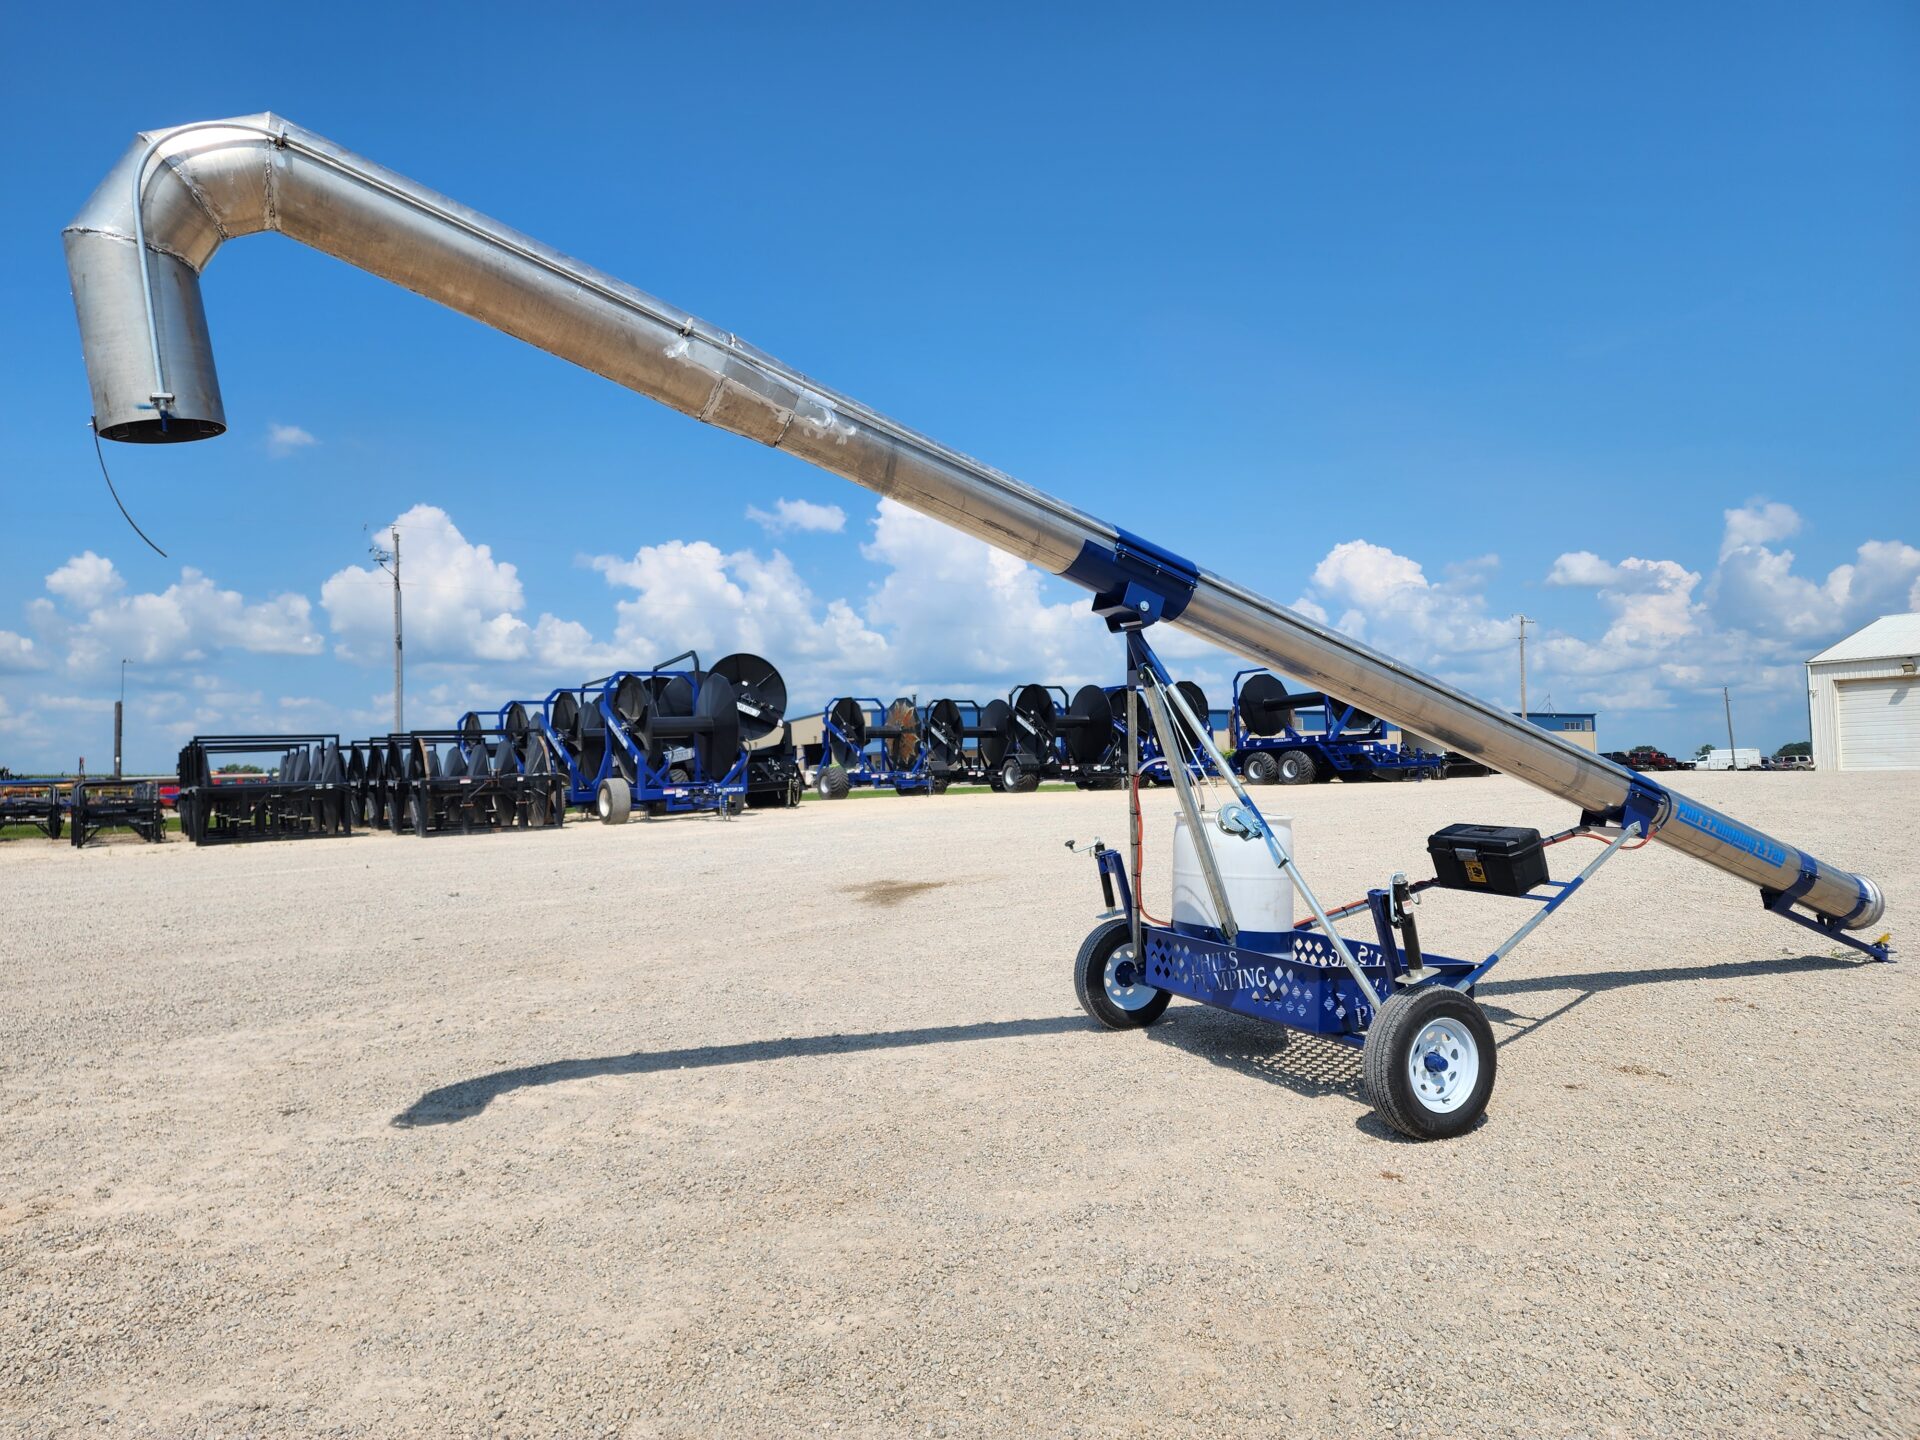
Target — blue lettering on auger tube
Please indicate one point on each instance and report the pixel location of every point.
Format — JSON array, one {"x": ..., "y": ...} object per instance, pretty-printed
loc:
[{"x": 1725, "y": 831}]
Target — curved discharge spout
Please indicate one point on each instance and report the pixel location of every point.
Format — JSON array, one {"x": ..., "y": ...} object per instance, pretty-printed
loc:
[{"x": 150, "y": 361}]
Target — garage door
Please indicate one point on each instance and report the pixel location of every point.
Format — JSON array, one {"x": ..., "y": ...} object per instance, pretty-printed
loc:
[{"x": 1880, "y": 724}]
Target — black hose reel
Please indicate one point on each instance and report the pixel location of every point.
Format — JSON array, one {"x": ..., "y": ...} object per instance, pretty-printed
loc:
[
  {"x": 1267, "y": 709},
  {"x": 702, "y": 712},
  {"x": 1086, "y": 725}
]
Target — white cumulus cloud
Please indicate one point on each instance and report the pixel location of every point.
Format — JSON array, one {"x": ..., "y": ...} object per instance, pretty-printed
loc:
[
  {"x": 961, "y": 615},
  {"x": 1581, "y": 568},
  {"x": 1385, "y": 598},
  {"x": 691, "y": 595},
  {"x": 789, "y": 515},
  {"x": 86, "y": 580},
  {"x": 457, "y": 601},
  {"x": 285, "y": 440},
  {"x": 1760, "y": 523},
  {"x": 97, "y": 624},
  {"x": 17, "y": 653}
]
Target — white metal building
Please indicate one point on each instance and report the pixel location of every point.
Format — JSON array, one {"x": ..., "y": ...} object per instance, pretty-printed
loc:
[{"x": 1864, "y": 697}]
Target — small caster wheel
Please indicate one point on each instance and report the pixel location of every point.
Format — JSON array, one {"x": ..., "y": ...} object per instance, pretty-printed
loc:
[
  {"x": 1428, "y": 1063},
  {"x": 1111, "y": 984}
]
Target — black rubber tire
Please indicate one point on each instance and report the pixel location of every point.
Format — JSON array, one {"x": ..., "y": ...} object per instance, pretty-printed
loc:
[
  {"x": 1295, "y": 767},
  {"x": 613, "y": 801},
  {"x": 833, "y": 783},
  {"x": 1090, "y": 981},
  {"x": 940, "y": 786},
  {"x": 1262, "y": 769},
  {"x": 1383, "y": 1061},
  {"x": 1017, "y": 781}
]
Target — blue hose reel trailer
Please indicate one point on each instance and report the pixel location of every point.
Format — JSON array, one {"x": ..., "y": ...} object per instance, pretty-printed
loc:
[
  {"x": 964, "y": 740},
  {"x": 1269, "y": 748},
  {"x": 864, "y": 743},
  {"x": 674, "y": 739}
]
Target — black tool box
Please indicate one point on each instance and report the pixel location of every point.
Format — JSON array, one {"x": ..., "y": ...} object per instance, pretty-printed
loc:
[{"x": 1494, "y": 859}]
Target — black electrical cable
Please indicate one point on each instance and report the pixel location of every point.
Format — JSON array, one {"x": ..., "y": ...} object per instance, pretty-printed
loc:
[{"x": 100, "y": 455}]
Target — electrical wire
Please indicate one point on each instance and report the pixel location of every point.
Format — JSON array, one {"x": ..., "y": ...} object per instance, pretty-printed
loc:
[
  {"x": 100, "y": 455},
  {"x": 1139, "y": 860}
]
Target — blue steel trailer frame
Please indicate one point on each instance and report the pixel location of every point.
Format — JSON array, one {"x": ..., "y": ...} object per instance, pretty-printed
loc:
[
  {"x": 864, "y": 760},
  {"x": 678, "y": 785},
  {"x": 1341, "y": 750},
  {"x": 1153, "y": 763},
  {"x": 1381, "y": 996}
]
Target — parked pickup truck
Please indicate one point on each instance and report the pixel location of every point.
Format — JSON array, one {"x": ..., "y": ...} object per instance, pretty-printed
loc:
[{"x": 1647, "y": 758}]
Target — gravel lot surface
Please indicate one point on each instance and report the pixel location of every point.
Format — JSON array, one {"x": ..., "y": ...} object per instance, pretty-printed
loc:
[{"x": 791, "y": 1125}]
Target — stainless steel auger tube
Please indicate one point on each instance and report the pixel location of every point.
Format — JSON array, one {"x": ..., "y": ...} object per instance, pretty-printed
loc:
[{"x": 208, "y": 183}]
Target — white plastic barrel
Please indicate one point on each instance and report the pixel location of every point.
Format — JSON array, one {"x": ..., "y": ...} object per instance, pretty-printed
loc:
[{"x": 1259, "y": 892}]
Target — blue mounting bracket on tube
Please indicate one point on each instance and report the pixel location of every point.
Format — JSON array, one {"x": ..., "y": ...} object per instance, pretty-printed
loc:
[
  {"x": 1649, "y": 804},
  {"x": 1134, "y": 581}
]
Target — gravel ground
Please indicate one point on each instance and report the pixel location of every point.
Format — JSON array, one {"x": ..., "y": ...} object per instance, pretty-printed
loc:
[{"x": 791, "y": 1125}]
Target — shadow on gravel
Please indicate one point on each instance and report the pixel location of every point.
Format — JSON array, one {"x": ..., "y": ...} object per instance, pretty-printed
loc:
[
  {"x": 1304, "y": 1064},
  {"x": 467, "y": 1098},
  {"x": 1311, "y": 1066},
  {"x": 1596, "y": 982}
]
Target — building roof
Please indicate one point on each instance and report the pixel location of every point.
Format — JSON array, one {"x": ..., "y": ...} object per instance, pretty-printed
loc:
[
  {"x": 1888, "y": 636},
  {"x": 1557, "y": 714}
]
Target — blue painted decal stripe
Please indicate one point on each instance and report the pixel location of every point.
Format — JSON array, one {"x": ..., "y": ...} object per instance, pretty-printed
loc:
[{"x": 1728, "y": 833}]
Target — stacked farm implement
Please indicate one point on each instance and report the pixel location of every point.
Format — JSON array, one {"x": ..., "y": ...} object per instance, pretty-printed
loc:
[
  {"x": 98, "y": 805},
  {"x": 32, "y": 803},
  {"x": 300, "y": 793},
  {"x": 470, "y": 780}
]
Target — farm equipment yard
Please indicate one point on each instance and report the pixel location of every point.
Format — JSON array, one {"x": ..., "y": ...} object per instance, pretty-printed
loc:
[{"x": 377, "y": 1138}]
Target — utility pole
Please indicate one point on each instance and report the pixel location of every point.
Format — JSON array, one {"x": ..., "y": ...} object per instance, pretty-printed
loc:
[
  {"x": 389, "y": 560},
  {"x": 119, "y": 710},
  {"x": 1524, "y": 622},
  {"x": 1733, "y": 755}
]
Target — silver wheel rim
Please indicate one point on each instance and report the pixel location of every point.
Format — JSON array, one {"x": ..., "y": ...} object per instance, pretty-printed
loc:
[
  {"x": 1443, "y": 1065},
  {"x": 1129, "y": 997},
  {"x": 605, "y": 802}
]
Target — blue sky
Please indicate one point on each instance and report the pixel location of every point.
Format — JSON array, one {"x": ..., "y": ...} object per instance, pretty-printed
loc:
[{"x": 1423, "y": 317}]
